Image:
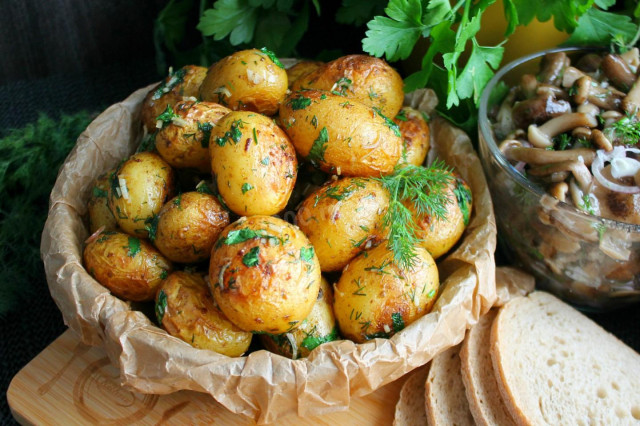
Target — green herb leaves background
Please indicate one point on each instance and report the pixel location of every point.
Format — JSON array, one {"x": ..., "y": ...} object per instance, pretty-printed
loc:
[{"x": 29, "y": 161}]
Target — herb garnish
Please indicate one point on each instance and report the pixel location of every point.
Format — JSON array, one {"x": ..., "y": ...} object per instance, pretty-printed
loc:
[
  {"x": 301, "y": 102},
  {"x": 169, "y": 83},
  {"x": 233, "y": 134},
  {"x": 316, "y": 154},
  {"x": 307, "y": 253},
  {"x": 310, "y": 342},
  {"x": 251, "y": 259},
  {"x": 134, "y": 247},
  {"x": 388, "y": 122},
  {"x": 423, "y": 187},
  {"x": 205, "y": 128},
  {"x": 246, "y": 187},
  {"x": 161, "y": 306},
  {"x": 397, "y": 321},
  {"x": 272, "y": 56},
  {"x": 167, "y": 116},
  {"x": 463, "y": 197}
]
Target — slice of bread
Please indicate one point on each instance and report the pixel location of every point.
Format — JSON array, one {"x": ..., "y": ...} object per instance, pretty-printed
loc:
[
  {"x": 485, "y": 401},
  {"x": 446, "y": 402},
  {"x": 555, "y": 366},
  {"x": 410, "y": 409}
]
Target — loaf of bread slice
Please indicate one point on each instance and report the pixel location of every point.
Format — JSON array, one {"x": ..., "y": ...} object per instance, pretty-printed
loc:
[
  {"x": 446, "y": 402},
  {"x": 481, "y": 388},
  {"x": 410, "y": 408},
  {"x": 555, "y": 366}
]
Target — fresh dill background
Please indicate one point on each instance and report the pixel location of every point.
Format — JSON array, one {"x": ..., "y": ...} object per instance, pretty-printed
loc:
[{"x": 29, "y": 161}]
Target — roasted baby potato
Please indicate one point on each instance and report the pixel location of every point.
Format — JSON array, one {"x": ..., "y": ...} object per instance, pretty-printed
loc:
[
  {"x": 253, "y": 163},
  {"x": 415, "y": 136},
  {"x": 100, "y": 215},
  {"x": 128, "y": 266},
  {"x": 318, "y": 328},
  {"x": 138, "y": 189},
  {"x": 184, "y": 141},
  {"x": 341, "y": 136},
  {"x": 368, "y": 79},
  {"x": 343, "y": 218},
  {"x": 180, "y": 84},
  {"x": 188, "y": 226},
  {"x": 438, "y": 235},
  {"x": 264, "y": 274},
  {"x": 249, "y": 80},
  {"x": 376, "y": 298},
  {"x": 186, "y": 310},
  {"x": 300, "y": 69}
]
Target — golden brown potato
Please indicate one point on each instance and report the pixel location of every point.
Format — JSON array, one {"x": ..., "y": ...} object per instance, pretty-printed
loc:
[
  {"x": 341, "y": 136},
  {"x": 343, "y": 218},
  {"x": 128, "y": 266},
  {"x": 415, "y": 136},
  {"x": 186, "y": 310},
  {"x": 264, "y": 274},
  {"x": 137, "y": 191},
  {"x": 100, "y": 215},
  {"x": 184, "y": 142},
  {"x": 439, "y": 235},
  {"x": 376, "y": 298},
  {"x": 253, "y": 163},
  {"x": 318, "y": 328},
  {"x": 188, "y": 226},
  {"x": 302, "y": 68},
  {"x": 249, "y": 80},
  {"x": 182, "y": 83},
  {"x": 368, "y": 79}
]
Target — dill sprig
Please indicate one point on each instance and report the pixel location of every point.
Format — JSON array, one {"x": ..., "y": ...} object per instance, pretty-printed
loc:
[
  {"x": 424, "y": 189},
  {"x": 627, "y": 130}
]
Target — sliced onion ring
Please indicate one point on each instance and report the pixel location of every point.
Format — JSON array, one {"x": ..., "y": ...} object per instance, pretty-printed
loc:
[{"x": 598, "y": 165}]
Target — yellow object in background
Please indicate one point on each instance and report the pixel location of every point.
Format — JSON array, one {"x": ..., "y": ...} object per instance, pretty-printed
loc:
[{"x": 527, "y": 39}]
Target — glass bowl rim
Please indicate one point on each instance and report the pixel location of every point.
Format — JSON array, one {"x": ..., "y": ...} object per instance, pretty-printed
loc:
[{"x": 487, "y": 136}]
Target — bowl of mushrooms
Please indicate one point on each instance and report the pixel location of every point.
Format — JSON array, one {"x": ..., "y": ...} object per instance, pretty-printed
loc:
[{"x": 559, "y": 139}]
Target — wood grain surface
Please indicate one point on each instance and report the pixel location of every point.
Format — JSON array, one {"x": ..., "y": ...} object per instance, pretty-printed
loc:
[{"x": 71, "y": 383}]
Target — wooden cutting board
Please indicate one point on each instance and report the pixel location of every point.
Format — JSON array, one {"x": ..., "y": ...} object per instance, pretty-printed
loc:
[{"x": 71, "y": 383}]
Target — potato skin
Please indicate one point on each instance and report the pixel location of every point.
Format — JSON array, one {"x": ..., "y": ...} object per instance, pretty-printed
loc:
[
  {"x": 416, "y": 135},
  {"x": 150, "y": 183},
  {"x": 186, "y": 310},
  {"x": 339, "y": 135},
  {"x": 253, "y": 163},
  {"x": 300, "y": 69},
  {"x": 438, "y": 236},
  {"x": 247, "y": 80},
  {"x": 376, "y": 298},
  {"x": 188, "y": 226},
  {"x": 264, "y": 274},
  {"x": 318, "y": 328},
  {"x": 183, "y": 83},
  {"x": 100, "y": 215},
  {"x": 186, "y": 145},
  {"x": 342, "y": 218},
  {"x": 128, "y": 266},
  {"x": 368, "y": 79}
]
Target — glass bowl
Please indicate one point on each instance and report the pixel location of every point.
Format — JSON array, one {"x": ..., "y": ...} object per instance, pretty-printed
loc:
[{"x": 591, "y": 262}]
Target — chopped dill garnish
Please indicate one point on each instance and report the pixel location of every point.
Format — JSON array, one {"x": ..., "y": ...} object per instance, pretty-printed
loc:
[
  {"x": 422, "y": 187},
  {"x": 627, "y": 130}
]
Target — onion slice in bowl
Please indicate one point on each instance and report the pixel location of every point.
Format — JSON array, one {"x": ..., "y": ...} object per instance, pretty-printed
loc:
[{"x": 619, "y": 153}]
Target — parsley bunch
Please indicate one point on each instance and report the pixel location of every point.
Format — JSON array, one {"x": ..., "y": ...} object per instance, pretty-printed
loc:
[{"x": 451, "y": 28}]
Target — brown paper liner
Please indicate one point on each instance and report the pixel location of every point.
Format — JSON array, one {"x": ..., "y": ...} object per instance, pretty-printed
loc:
[{"x": 261, "y": 385}]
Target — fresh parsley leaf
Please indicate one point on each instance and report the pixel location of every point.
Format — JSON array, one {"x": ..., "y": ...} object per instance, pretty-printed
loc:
[
  {"x": 161, "y": 306},
  {"x": 316, "y": 154},
  {"x": 395, "y": 35},
  {"x": 234, "y": 18},
  {"x": 246, "y": 187},
  {"x": 300, "y": 102},
  {"x": 251, "y": 258},
  {"x": 564, "y": 13},
  {"x": 306, "y": 254},
  {"x": 272, "y": 56},
  {"x": 597, "y": 27},
  {"x": 133, "y": 247},
  {"x": 397, "y": 321},
  {"x": 478, "y": 71},
  {"x": 311, "y": 341},
  {"x": 238, "y": 236}
]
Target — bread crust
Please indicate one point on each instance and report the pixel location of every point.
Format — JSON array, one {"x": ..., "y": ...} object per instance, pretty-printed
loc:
[
  {"x": 556, "y": 366},
  {"x": 485, "y": 401}
]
